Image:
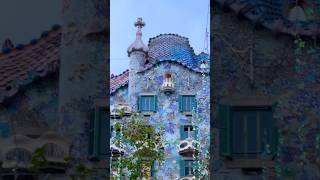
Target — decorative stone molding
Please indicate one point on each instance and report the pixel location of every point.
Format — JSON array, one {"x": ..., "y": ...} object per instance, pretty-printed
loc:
[
  {"x": 116, "y": 108},
  {"x": 186, "y": 147},
  {"x": 116, "y": 151},
  {"x": 188, "y": 178},
  {"x": 168, "y": 84},
  {"x": 28, "y": 144}
]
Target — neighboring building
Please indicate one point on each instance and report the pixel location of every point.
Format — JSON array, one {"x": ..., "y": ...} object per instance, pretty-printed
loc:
[
  {"x": 168, "y": 85},
  {"x": 48, "y": 90},
  {"x": 265, "y": 114}
]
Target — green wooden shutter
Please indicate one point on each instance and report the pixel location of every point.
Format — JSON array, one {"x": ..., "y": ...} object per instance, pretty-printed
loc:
[
  {"x": 194, "y": 103},
  {"x": 195, "y": 132},
  {"x": 103, "y": 140},
  {"x": 180, "y": 103},
  {"x": 224, "y": 130},
  {"x": 91, "y": 136},
  {"x": 274, "y": 133},
  {"x": 93, "y": 151},
  {"x": 182, "y": 134},
  {"x": 155, "y": 103},
  {"x": 139, "y": 104},
  {"x": 182, "y": 167},
  {"x": 98, "y": 137}
]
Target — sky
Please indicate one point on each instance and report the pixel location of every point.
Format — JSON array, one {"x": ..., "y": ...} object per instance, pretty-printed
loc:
[
  {"x": 187, "y": 18},
  {"x": 23, "y": 20}
]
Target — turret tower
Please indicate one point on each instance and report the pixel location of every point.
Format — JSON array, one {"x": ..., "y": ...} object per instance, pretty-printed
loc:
[{"x": 138, "y": 54}]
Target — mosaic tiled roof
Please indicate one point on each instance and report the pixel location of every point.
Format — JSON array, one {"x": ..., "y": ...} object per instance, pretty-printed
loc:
[
  {"x": 165, "y": 47},
  {"x": 175, "y": 48},
  {"x": 280, "y": 16},
  {"x": 119, "y": 81},
  {"x": 20, "y": 65}
]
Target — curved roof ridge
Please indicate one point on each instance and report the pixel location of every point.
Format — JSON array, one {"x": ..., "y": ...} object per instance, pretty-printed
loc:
[
  {"x": 172, "y": 34},
  {"x": 203, "y": 53},
  {"x": 22, "y": 65},
  {"x": 172, "y": 61},
  {"x": 167, "y": 34},
  {"x": 44, "y": 35}
]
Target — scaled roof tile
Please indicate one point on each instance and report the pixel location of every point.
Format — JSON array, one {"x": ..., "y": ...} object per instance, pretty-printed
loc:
[{"x": 19, "y": 65}]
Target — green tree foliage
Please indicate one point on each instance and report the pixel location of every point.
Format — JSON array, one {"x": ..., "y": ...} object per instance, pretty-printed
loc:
[
  {"x": 38, "y": 160},
  {"x": 146, "y": 145}
]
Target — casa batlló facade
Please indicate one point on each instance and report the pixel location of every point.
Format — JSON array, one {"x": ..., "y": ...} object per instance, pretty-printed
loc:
[{"x": 168, "y": 85}]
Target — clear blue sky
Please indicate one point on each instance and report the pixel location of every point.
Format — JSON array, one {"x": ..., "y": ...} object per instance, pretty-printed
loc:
[
  {"x": 23, "y": 20},
  {"x": 184, "y": 17}
]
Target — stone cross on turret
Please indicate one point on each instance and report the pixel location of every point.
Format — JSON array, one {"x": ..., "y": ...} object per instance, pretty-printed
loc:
[
  {"x": 139, "y": 23},
  {"x": 138, "y": 44}
]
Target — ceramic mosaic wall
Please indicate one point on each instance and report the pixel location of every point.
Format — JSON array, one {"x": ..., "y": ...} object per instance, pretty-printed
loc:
[
  {"x": 83, "y": 69},
  {"x": 279, "y": 72},
  {"x": 168, "y": 115},
  {"x": 34, "y": 106},
  {"x": 121, "y": 95}
]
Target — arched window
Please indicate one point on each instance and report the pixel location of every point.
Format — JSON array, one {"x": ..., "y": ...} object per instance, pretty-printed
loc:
[
  {"x": 168, "y": 76},
  {"x": 53, "y": 150},
  {"x": 168, "y": 84},
  {"x": 18, "y": 154}
]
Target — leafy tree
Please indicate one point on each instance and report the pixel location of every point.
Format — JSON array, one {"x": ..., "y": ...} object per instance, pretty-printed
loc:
[
  {"x": 144, "y": 144},
  {"x": 38, "y": 160}
]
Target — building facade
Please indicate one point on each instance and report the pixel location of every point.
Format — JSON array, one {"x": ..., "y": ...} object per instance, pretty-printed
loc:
[
  {"x": 49, "y": 88},
  {"x": 265, "y": 77},
  {"x": 168, "y": 85}
]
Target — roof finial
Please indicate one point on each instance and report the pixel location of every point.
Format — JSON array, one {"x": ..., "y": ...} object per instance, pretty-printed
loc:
[
  {"x": 139, "y": 23},
  {"x": 7, "y": 44},
  {"x": 138, "y": 43}
]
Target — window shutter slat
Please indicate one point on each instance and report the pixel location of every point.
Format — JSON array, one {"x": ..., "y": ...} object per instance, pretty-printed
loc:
[
  {"x": 274, "y": 133},
  {"x": 195, "y": 132},
  {"x": 98, "y": 135},
  {"x": 155, "y": 103},
  {"x": 182, "y": 167},
  {"x": 182, "y": 136},
  {"x": 224, "y": 130},
  {"x": 139, "y": 104},
  {"x": 96, "y": 131},
  {"x": 91, "y": 136},
  {"x": 180, "y": 103},
  {"x": 103, "y": 141},
  {"x": 194, "y": 103},
  {"x": 93, "y": 151}
]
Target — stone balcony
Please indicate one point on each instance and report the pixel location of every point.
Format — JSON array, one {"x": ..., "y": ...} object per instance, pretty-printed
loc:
[
  {"x": 187, "y": 147},
  {"x": 116, "y": 151},
  {"x": 190, "y": 177},
  {"x": 117, "y": 108},
  {"x": 168, "y": 85}
]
